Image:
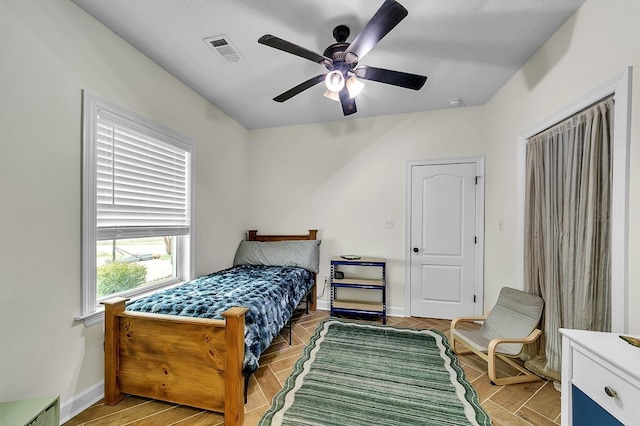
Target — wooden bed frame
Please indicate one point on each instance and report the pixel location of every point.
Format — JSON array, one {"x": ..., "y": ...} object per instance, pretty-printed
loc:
[{"x": 183, "y": 360}]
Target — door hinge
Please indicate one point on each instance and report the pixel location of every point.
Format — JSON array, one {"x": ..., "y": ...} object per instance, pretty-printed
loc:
[
  {"x": 474, "y": 298},
  {"x": 477, "y": 179},
  {"x": 475, "y": 240}
]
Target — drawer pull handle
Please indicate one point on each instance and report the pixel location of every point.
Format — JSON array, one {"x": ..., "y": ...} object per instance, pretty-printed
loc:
[{"x": 612, "y": 393}]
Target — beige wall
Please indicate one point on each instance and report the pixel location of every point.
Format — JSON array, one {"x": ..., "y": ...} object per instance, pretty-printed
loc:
[{"x": 50, "y": 51}]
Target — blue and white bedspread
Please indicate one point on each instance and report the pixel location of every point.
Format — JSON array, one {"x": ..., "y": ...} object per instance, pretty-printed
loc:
[{"x": 271, "y": 293}]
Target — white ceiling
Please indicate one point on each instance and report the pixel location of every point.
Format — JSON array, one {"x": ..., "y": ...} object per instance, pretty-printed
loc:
[{"x": 468, "y": 49}]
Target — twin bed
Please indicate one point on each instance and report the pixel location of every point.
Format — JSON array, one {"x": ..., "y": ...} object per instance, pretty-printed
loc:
[{"x": 195, "y": 344}]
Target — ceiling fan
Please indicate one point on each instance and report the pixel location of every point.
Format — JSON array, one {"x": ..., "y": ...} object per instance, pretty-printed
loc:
[{"x": 341, "y": 59}]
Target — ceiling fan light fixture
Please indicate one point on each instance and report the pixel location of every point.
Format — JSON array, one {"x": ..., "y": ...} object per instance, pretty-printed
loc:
[
  {"x": 334, "y": 81},
  {"x": 354, "y": 86},
  {"x": 341, "y": 59},
  {"x": 332, "y": 95}
]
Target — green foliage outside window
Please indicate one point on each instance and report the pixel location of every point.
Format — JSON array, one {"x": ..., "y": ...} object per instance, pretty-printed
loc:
[{"x": 116, "y": 277}]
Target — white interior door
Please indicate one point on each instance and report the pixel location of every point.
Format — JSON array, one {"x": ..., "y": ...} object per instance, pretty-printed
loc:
[{"x": 443, "y": 240}]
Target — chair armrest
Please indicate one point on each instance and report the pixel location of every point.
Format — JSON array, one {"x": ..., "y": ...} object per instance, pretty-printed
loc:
[
  {"x": 529, "y": 339},
  {"x": 467, "y": 319}
]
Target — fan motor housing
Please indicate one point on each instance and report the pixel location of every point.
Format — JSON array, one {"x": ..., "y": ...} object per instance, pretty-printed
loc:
[{"x": 336, "y": 51}]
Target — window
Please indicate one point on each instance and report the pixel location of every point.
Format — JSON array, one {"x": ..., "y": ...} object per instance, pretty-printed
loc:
[{"x": 136, "y": 206}]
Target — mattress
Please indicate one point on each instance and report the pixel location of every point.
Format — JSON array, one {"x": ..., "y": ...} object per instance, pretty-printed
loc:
[{"x": 270, "y": 293}]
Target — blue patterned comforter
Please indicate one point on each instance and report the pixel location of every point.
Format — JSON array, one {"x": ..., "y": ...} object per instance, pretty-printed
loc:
[{"x": 271, "y": 293}]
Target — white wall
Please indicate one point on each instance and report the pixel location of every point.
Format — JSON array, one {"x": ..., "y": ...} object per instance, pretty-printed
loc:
[
  {"x": 51, "y": 50},
  {"x": 346, "y": 177},
  {"x": 598, "y": 42}
]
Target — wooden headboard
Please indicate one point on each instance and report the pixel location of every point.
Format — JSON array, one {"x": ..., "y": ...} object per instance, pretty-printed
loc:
[{"x": 252, "y": 235}]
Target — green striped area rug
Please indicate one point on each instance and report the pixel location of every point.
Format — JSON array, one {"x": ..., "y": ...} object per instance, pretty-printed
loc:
[{"x": 355, "y": 374}]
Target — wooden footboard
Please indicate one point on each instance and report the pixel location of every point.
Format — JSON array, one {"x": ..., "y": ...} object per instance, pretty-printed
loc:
[{"x": 183, "y": 360}]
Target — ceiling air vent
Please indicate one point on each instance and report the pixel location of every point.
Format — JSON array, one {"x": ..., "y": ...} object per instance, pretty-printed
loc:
[{"x": 224, "y": 49}]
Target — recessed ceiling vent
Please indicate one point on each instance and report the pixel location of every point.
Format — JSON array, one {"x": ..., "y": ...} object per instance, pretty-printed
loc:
[{"x": 224, "y": 49}]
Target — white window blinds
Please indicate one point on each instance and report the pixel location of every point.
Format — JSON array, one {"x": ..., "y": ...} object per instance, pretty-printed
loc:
[{"x": 142, "y": 181}]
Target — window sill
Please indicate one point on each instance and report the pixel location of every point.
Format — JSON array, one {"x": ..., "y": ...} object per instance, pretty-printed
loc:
[
  {"x": 93, "y": 318},
  {"x": 97, "y": 317}
]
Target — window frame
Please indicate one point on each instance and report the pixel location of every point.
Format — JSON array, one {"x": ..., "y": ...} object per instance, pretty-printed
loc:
[{"x": 91, "y": 313}]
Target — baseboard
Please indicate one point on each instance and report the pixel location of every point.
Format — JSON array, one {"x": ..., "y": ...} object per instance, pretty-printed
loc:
[
  {"x": 79, "y": 403},
  {"x": 396, "y": 312},
  {"x": 324, "y": 305}
]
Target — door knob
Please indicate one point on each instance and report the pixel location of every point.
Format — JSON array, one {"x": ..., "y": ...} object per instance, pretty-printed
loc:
[{"x": 415, "y": 249}]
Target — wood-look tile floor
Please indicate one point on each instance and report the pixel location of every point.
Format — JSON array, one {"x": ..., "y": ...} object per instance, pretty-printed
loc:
[{"x": 536, "y": 403}]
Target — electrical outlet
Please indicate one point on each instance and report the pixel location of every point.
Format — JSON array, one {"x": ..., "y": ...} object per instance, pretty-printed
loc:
[{"x": 388, "y": 223}]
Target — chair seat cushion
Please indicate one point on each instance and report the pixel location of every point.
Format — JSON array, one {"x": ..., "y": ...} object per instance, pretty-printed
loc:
[
  {"x": 515, "y": 315},
  {"x": 480, "y": 342}
]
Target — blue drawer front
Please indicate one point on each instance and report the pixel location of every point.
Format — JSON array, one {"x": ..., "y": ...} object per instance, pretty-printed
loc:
[{"x": 586, "y": 412}]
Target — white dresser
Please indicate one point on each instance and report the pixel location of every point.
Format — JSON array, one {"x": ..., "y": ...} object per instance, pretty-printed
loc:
[{"x": 600, "y": 379}]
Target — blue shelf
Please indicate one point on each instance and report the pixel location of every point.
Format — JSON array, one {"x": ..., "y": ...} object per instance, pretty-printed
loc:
[{"x": 355, "y": 307}]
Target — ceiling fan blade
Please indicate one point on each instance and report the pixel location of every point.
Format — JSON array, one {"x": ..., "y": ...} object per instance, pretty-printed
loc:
[
  {"x": 385, "y": 19},
  {"x": 397, "y": 78},
  {"x": 285, "y": 46},
  {"x": 348, "y": 104},
  {"x": 299, "y": 88}
]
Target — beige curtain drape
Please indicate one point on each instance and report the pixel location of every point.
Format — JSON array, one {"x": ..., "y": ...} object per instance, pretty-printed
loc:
[{"x": 567, "y": 229}]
